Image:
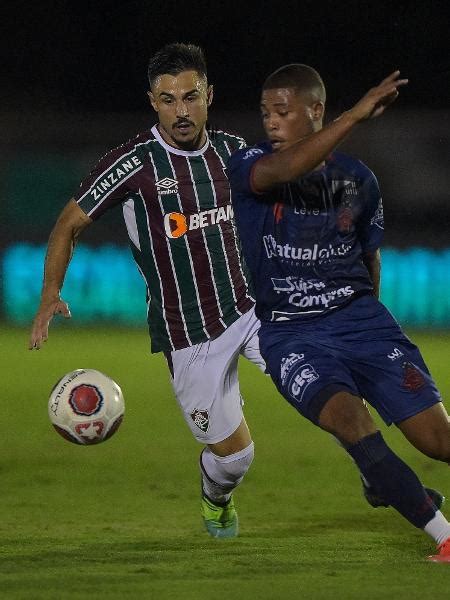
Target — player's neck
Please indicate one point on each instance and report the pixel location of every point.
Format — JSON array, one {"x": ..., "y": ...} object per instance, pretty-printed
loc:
[{"x": 190, "y": 146}]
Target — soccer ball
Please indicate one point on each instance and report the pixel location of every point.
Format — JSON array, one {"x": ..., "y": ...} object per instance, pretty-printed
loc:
[{"x": 86, "y": 406}]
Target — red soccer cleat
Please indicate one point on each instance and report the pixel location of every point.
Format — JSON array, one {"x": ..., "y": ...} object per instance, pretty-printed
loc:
[{"x": 443, "y": 553}]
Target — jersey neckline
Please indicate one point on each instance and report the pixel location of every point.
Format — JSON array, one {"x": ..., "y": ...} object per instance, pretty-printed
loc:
[{"x": 178, "y": 151}]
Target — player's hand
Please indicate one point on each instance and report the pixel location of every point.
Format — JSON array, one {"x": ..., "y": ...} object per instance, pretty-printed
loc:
[
  {"x": 46, "y": 312},
  {"x": 377, "y": 99}
]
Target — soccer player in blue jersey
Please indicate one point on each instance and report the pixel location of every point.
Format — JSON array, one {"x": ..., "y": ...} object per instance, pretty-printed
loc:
[{"x": 311, "y": 225}]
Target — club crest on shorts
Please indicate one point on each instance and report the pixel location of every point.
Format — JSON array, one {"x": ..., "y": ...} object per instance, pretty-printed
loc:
[
  {"x": 201, "y": 419},
  {"x": 413, "y": 379}
]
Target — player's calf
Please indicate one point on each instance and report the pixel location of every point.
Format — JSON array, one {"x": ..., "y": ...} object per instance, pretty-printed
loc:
[
  {"x": 346, "y": 416},
  {"x": 222, "y": 474},
  {"x": 392, "y": 479}
]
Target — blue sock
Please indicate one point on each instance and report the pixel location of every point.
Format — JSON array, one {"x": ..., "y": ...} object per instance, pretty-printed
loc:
[{"x": 392, "y": 479}]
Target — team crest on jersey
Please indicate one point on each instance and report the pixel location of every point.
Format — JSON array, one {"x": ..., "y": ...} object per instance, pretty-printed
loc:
[
  {"x": 413, "y": 379},
  {"x": 201, "y": 419},
  {"x": 167, "y": 186}
]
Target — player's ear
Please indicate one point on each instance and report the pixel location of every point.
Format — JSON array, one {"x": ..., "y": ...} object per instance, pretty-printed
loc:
[
  {"x": 209, "y": 94},
  {"x": 152, "y": 100},
  {"x": 317, "y": 111}
]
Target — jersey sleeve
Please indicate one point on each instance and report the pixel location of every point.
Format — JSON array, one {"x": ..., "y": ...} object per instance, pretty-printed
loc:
[
  {"x": 240, "y": 167},
  {"x": 108, "y": 183},
  {"x": 371, "y": 228}
]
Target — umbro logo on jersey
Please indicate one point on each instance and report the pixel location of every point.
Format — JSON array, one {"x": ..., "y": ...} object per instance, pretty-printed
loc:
[
  {"x": 177, "y": 224},
  {"x": 167, "y": 186}
]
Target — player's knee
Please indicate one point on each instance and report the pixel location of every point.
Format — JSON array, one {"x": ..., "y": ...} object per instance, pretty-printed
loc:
[{"x": 347, "y": 418}]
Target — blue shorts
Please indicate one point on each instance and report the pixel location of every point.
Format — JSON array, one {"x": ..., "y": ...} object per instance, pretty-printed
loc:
[{"x": 359, "y": 348}]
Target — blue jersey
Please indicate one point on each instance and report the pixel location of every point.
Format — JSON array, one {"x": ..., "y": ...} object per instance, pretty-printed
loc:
[{"x": 304, "y": 241}]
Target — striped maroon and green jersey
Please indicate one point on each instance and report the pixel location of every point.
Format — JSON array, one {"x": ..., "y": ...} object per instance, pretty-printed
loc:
[{"x": 177, "y": 209}]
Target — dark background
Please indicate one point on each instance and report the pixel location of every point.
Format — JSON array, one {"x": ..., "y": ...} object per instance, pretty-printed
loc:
[
  {"x": 92, "y": 56},
  {"x": 74, "y": 85}
]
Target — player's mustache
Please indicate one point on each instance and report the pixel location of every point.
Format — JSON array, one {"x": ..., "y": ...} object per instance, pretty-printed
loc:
[{"x": 182, "y": 122}]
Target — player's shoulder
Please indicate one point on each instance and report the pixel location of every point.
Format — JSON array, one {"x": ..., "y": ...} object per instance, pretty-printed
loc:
[
  {"x": 349, "y": 165},
  {"x": 133, "y": 146},
  {"x": 233, "y": 141},
  {"x": 251, "y": 153}
]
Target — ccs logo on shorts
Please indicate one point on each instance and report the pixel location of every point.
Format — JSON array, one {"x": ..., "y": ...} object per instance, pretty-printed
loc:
[
  {"x": 298, "y": 384},
  {"x": 177, "y": 224}
]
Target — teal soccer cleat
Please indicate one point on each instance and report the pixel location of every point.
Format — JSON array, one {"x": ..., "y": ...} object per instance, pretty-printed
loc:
[{"x": 221, "y": 521}]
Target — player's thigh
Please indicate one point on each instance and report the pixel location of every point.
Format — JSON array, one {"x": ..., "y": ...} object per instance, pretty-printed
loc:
[
  {"x": 205, "y": 382},
  {"x": 305, "y": 374},
  {"x": 250, "y": 326},
  {"x": 393, "y": 377}
]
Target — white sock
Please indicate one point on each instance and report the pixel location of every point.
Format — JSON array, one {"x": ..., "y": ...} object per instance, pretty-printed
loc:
[
  {"x": 438, "y": 528},
  {"x": 221, "y": 474}
]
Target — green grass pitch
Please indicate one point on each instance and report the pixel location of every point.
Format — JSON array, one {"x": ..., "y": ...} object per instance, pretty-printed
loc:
[{"x": 121, "y": 520}]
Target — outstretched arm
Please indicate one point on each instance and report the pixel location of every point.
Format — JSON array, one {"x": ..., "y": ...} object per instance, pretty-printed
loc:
[
  {"x": 61, "y": 243},
  {"x": 302, "y": 157}
]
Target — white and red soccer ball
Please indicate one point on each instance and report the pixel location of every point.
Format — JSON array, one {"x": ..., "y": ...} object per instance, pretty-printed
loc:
[{"x": 86, "y": 406}]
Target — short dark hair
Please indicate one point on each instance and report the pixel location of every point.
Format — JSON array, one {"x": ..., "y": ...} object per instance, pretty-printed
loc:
[
  {"x": 302, "y": 78},
  {"x": 174, "y": 58}
]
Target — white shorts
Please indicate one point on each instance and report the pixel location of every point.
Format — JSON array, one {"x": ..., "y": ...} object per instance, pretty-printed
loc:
[{"x": 205, "y": 379}]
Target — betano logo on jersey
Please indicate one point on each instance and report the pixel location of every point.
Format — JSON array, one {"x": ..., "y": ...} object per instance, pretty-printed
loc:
[{"x": 177, "y": 224}]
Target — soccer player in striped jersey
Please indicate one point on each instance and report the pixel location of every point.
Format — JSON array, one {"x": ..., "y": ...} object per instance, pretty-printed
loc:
[
  {"x": 311, "y": 226},
  {"x": 171, "y": 185}
]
